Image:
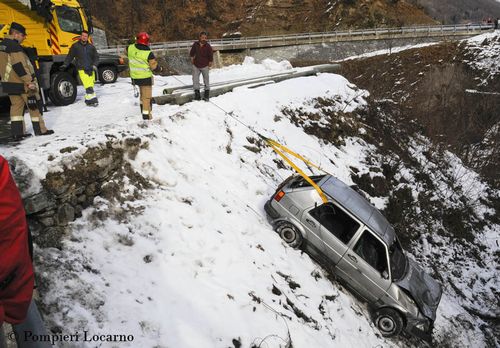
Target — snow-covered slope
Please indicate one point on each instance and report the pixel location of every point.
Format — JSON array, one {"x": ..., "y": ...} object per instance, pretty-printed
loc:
[
  {"x": 192, "y": 261},
  {"x": 198, "y": 266}
]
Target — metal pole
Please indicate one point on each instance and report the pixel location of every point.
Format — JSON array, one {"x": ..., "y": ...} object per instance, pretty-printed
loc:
[{"x": 44, "y": 100}]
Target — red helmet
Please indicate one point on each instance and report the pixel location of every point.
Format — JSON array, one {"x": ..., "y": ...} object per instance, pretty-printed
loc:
[{"x": 142, "y": 38}]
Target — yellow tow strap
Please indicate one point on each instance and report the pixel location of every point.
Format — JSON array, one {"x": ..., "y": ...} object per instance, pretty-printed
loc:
[{"x": 278, "y": 147}]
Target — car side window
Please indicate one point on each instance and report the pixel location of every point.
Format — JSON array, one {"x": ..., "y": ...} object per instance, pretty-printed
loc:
[
  {"x": 336, "y": 221},
  {"x": 372, "y": 251}
]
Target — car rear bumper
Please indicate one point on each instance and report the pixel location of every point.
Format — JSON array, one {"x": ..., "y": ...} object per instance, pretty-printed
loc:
[{"x": 270, "y": 211}]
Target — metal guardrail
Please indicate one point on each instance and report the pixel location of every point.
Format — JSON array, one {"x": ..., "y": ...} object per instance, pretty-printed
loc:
[{"x": 315, "y": 37}]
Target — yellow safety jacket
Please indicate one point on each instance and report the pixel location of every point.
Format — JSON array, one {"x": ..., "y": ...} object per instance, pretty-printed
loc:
[{"x": 138, "y": 63}]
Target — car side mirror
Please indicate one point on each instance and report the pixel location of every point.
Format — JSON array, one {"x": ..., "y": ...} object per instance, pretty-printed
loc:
[{"x": 385, "y": 275}]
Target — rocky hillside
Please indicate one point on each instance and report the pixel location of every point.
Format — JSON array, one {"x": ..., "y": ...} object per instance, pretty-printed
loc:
[
  {"x": 181, "y": 19},
  {"x": 459, "y": 11},
  {"x": 450, "y": 90}
]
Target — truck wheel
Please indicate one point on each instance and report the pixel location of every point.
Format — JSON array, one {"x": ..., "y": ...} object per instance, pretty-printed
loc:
[
  {"x": 108, "y": 74},
  {"x": 389, "y": 322},
  {"x": 290, "y": 234},
  {"x": 62, "y": 89}
]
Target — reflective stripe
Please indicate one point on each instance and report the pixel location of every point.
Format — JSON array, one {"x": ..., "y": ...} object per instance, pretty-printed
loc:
[
  {"x": 139, "y": 69},
  {"x": 138, "y": 63},
  {"x": 17, "y": 118},
  {"x": 8, "y": 68},
  {"x": 90, "y": 96},
  {"x": 35, "y": 119}
]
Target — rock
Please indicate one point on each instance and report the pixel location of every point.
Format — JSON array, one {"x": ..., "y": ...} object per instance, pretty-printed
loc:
[
  {"x": 65, "y": 214},
  {"x": 78, "y": 211},
  {"x": 39, "y": 202},
  {"x": 47, "y": 222},
  {"x": 73, "y": 200},
  {"x": 50, "y": 237},
  {"x": 57, "y": 183},
  {"x": 91, "y": 190},
  {"x": 81, "y": 199},
  {"x": 46, "y": 213},
  {"x": 79, "y": 190}
]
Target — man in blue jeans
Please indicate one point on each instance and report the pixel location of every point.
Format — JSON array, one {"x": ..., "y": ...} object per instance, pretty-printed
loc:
[{"x": 201, "y": 57}]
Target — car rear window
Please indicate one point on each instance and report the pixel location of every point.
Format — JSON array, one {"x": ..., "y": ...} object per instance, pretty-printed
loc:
[
  {"x": 336, "y": 221},
  {"x": 300, "y": 182}
]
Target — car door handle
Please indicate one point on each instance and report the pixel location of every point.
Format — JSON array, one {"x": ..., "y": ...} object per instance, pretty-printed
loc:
[
  {"x": 311, "y": 222},
  {"x": 64, "y": 45},
  {"x": 353, "y": 258}
]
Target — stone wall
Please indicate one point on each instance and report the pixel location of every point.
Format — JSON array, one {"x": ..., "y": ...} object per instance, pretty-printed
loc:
[
  {"x": 64, "y": 194},
  {"x": 329, "y": 52},
  {"x": 300, "y": 55}
]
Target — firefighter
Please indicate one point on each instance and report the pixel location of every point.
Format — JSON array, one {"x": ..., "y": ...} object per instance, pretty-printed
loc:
[
  {"x": 142, "y": 63},
  {"x": 87, "y": 58},
  {"x": 19, "y": 82}
]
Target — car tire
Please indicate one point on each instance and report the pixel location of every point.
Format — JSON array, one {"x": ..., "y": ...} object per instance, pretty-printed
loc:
[
  {"x": 290, "y": 234},
  {"x": 108, "y": 74},
  {"x": 62, "y": 89},
  {"x": 389, "y": 322}
]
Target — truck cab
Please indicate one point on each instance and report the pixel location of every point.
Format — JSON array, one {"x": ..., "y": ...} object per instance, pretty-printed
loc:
[{"x": 53, "y": 26}]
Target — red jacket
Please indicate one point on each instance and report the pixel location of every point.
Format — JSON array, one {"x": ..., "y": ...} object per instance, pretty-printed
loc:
[
  {"x": 16, "y": 270},
  {"x": 203, "y": 55}
]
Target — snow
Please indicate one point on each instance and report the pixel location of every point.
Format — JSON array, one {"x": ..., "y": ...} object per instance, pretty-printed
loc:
[
  {"x": 195, "y": 262},
  {"x": 390, "y": 50},
  {"x": 210, "y": 256},
  {"x": 485, "y": 54}
]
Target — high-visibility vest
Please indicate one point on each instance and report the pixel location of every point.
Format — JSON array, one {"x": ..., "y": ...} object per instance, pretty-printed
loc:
[{"x": 138, "y": 63}]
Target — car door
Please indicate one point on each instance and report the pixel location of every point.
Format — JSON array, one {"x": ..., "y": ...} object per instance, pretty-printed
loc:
[
  {"x": 336, "y": 229},
  {"x": 367, "y": 266},
  {"x": 314, "y": 242}
]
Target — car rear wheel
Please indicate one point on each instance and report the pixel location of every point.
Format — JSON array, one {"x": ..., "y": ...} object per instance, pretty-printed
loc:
[
  {"x": 389, "y": 322},
  {"x": 290, "y": 234},
  {"x": 108, "y": 74}
]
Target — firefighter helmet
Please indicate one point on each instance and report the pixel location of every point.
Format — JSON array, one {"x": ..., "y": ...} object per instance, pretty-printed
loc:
[{"x": 142, "y": 38}]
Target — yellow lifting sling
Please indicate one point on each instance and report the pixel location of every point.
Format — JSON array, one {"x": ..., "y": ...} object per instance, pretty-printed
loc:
[{"x": 278, "y": 147}]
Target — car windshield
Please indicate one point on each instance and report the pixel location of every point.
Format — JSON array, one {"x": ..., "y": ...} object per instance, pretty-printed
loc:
[{"x": 398, "y": 260}]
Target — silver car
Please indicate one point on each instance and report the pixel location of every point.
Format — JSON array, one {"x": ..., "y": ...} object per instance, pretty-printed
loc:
[{"x": 351, "y": 237}]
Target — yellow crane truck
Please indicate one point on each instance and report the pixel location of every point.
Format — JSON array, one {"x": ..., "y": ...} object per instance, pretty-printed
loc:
[{"x": 53, "y": 26}]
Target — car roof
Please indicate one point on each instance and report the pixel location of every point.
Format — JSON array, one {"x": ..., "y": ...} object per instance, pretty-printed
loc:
[{"x": 359, "y": 207}]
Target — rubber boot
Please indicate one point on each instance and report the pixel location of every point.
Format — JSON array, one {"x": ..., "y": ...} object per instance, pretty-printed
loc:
[
  {"x": 197, "y": 95},
  {"x": 38, "y": 131},
  {"x": 206, "y": 95},
  {"x": 17, "y": 131}
]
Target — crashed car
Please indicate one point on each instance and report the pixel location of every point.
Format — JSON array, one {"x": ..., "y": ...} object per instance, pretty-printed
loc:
[{"x": 354, "y": 239}]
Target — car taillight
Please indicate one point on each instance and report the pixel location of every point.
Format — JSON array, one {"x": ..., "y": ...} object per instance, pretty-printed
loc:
[{"x": 278, "y": 196}]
